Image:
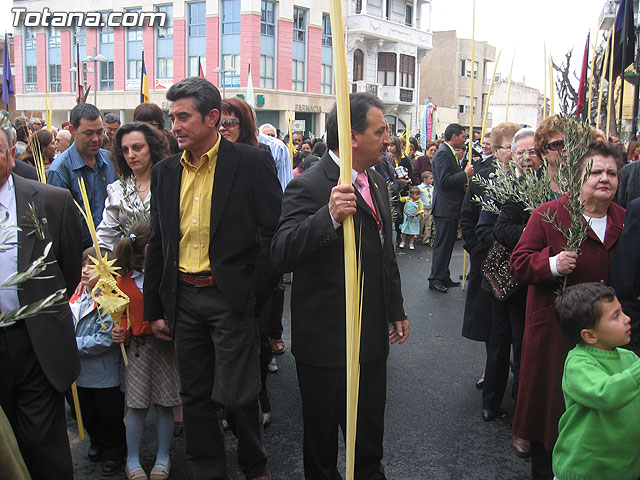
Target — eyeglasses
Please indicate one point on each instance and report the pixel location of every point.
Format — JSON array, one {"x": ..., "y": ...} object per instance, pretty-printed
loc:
[
  {"x": 508, "y": 147},
  {"x": 229, "y": 122},
  {"x": 529, "y": 153},
  {"x": 555, "y": 146}
]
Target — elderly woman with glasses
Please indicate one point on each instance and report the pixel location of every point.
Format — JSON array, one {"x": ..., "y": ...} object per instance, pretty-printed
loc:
[
  {"x": 540, "y": 261},
  {"x": 498, "y": 334},
  {"x": 507, "y": 229},
  {"x": 549, "y": 145}
]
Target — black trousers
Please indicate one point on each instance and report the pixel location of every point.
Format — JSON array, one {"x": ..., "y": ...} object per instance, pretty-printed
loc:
[
  {"x": 34, "y": 408},
  {"x": 323, "y": 392},
  {"x": 541, "y": 462},
  {"x": 217, "y": 351},
  {"x": 517, "y": 303},
  {"x": 102, "y": 412},
  {"x": 446, "y": 233},
  {"x": 276, "y": 308},
  {"x": 496, "y": 372}
]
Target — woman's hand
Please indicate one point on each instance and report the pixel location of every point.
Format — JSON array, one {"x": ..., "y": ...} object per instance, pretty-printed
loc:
[
  {"x": 118, "y": 334},
  {"x": 566, "y": 262}
]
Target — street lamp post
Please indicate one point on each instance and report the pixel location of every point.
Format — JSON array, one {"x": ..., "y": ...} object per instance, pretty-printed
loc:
[
  {"x": 222, "y": 72},
  {"x": 97, "y": 57}
]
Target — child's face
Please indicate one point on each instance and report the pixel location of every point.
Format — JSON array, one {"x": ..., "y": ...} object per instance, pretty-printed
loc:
[
  {"x": 427, "y": 180},
  {"x": 415, "y": 196},
  {"x": 613, "y": 328},
  {"x": 89, "y": 276}
]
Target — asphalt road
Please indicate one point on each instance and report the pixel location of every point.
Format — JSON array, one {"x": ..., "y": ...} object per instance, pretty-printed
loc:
[{"x": 433, "y": 426}]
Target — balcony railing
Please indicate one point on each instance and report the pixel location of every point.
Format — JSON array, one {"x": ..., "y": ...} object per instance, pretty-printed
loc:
[
  {"x": 406, "y": 95},
  {"x": 608, "y": 15},
  {"x": 361, "y": 86}
]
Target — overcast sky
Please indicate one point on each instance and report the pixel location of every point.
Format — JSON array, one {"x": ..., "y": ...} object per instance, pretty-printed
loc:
[
  {"x": 525, "y": 26},
  {"x": 506, "y": 24}
]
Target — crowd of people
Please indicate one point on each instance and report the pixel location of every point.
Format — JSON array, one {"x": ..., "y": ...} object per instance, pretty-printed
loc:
[{"x": 205, "y": 220}]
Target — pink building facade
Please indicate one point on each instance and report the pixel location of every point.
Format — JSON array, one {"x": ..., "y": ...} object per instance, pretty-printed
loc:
[{"x": 194, "y": 33}]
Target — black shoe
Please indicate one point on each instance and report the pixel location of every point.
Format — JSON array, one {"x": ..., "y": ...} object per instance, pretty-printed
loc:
[
  {"x": 480, "y": 383},
  {"x": 488, "y": 415},
  {"x": 450, "y": 283},
  {"x": 94, "y": 453},
  {"x": 438, "y": 287},
  {"x": 111, "y": 467}
]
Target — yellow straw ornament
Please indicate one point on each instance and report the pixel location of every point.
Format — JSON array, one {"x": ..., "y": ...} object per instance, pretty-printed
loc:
[
  {"x": 112, "y": 301},
  {"x": 352, "y": 271}
]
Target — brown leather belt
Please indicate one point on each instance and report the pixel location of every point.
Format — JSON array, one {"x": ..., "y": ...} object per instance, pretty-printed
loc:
[{"x": 197, "y": 280}]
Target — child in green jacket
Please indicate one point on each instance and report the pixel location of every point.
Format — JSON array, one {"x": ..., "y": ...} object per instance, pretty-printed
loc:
[{"x": 599, "y": 433}]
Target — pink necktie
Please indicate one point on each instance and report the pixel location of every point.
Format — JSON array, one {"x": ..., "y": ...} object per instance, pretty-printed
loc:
[{"x": 363, "y": 187}]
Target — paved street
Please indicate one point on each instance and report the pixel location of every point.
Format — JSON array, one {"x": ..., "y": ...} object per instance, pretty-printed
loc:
[{"x": 433, "y": 425}]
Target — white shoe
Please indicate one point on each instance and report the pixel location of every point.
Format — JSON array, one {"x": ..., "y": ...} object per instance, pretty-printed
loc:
[
  {"x": 401, "y": 245},
  {"x": 272, "y": 367},
  {"x": 411, "y": 247}
]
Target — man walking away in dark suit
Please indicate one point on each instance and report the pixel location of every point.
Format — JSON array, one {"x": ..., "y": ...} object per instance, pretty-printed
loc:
[
  {"x": 309, "y": 242},
  {"x": 624, "y": 274},
  {"x": 214, "y": 209},
  {"x": 38, "y": 355},
  {"x": 449, "y": 181}
]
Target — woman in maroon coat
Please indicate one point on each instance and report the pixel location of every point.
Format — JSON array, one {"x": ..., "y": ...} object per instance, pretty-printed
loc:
[{"x": 540, "y": 261}]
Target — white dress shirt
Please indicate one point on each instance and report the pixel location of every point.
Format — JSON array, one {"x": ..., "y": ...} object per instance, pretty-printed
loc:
[{"x": 9, "y": 258}]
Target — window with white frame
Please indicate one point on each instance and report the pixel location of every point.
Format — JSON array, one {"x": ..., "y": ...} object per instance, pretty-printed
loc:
[
  {"x": 464, "y": 104},
  {"x": 164, "y": 44},
  {"x": 407, "y": 71},
  {"x": 105, "y": 47},
  {"x": 196, "y": 37},
  {"x": 267, "y": 43},
  {"x": 465, "y": 68},
  {"x": 266, "y": 71},
  {"x": 387, "y": 68},
  {"x": 299, "y": 48}
]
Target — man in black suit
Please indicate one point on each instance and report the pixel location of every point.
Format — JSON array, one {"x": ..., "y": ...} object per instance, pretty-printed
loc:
[
  {"x": 309, "y": 242},
  {"x": 624, "y": 274},
  {"x": 214, "y": 209},
  {"x": 449, "y": 181},
  {"x": 38, "y": 356}
]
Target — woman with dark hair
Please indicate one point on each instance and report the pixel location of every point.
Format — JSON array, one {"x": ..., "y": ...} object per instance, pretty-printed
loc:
[
  {"x": 137, "y": 146},
  {"x": 41, "y": 141},
  {"x": 307, "y": 145},
  {"x": 423, "y": 163},
  {"x": 298, "y": 162},
  {"x": 238, "y": 122},
  {"x": 319, "y": 149},
  {"x": 152, "y": 114}
]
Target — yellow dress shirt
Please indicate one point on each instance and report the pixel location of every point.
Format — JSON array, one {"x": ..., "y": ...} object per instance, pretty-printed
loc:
[{"x": 196, "y": 189}]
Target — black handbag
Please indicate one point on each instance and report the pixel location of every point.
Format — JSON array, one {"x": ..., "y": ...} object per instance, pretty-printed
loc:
[{"x": 496, "y": 270}]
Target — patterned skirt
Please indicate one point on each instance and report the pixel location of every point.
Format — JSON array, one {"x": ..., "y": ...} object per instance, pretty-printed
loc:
[{"x": 152, "y": 374}]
